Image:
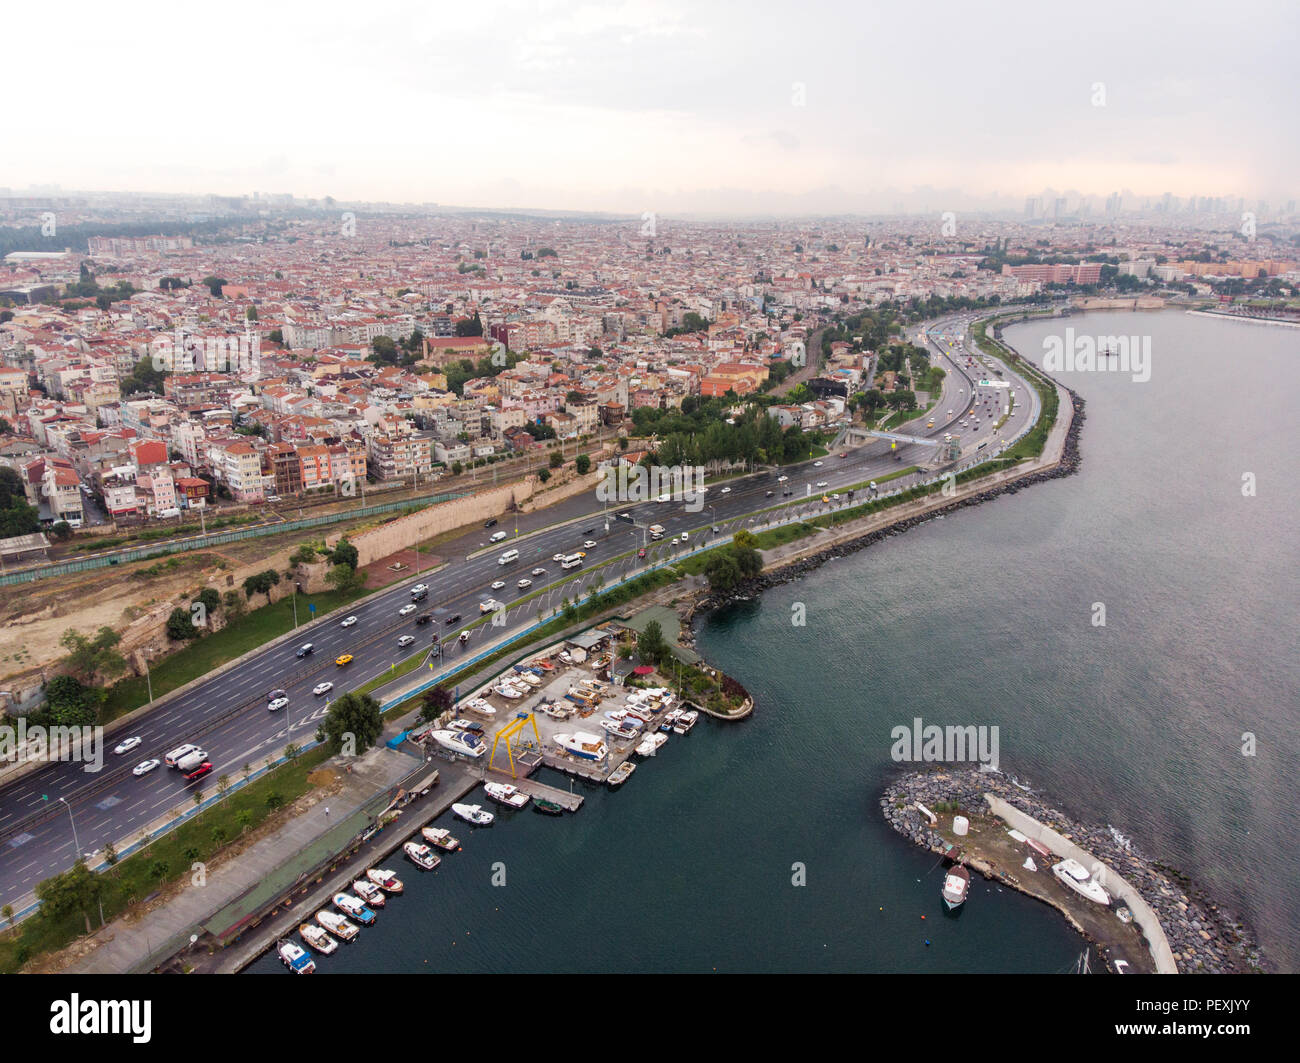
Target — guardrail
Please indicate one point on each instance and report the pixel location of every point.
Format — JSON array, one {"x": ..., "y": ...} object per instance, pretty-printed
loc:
[{"x": 201, "y": 542}]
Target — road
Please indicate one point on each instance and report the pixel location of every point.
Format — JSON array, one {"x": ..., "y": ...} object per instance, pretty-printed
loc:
[{"x": 227, "y": 714}]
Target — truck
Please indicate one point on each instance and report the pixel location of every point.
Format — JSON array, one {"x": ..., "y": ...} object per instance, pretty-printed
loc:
[
  {"x": 656, "y": 531},
  {"x": 190, "y": 761}
]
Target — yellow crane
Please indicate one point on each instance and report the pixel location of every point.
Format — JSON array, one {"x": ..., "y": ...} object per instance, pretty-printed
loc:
[{"x": 508, "y": 732}]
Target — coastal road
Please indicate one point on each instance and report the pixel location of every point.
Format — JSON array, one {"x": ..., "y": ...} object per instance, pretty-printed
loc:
[{"x": 227, "y": 714}]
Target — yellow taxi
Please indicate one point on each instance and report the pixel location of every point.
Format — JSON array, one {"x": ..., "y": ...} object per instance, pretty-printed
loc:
[{"x": 344, "y": 659}]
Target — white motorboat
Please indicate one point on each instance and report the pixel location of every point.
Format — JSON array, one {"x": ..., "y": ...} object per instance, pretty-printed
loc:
[
  {"x": 295, "y": 957},
  {"x": 554, "y": 711},
  {"x": 385, "y": 880},
  {"x": 354, "y": 908},
  {"x": 318, "y": 938},
  {"x": 1076, "y": 876},
  {"x": 670, "y": 721},
  {"x": 956, "y": 885},
  {"x": 651, "y": 744},
  {"x": 582, "y": 744},
  {"x": 338, "y": 925},
  {"x": 685, "y": 721},
  {"x": 421, "y": 856},
  {"x": 466, "y": 743},
  {"x": 439, "y": 837},
  {"x": 619, "y": 730},
  {"x": 369, "y": 892},
  {"x": 475, "y": 814},
  {"x": 505, "y": 794}
]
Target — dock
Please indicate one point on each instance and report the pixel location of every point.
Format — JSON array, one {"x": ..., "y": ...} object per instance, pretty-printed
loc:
[{"x": 570, "y": 802}]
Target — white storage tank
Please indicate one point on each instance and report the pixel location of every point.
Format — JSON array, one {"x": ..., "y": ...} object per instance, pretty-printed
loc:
[{"x": 960, "y": 825}]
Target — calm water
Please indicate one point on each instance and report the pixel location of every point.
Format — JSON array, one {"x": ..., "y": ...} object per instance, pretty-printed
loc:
[{"x": 983, "y": 618}]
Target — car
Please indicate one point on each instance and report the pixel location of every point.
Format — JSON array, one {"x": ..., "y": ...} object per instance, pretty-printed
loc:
[
  {"x": 420, "y": 588},
  {"x": 406, "y": 640},
  {"x": 305, "y": 649},
  {"x": 464, "y": 636},
  {"x": 271, "y": 695},
  {"x": 343, "y": 659},
  {"x": 496, "y": 537},
  {"x": 145, "y": 766},
  {"x": 558, "y": 557},
  {"x": 407, "y": 610},
  {"x": 348, "y": 622},
  {"x": 424, "y": 618},
  {"x": 726, "y": 490},
  {"x": 582, "y": 554},
  {"x": 126, "y": 745},
  {"x": 488, "y": 604},
  {"x": 716, "y": 530},
  {"x": 490, "y": 523},
  {"x": 821, "y": 483},
  {"x": 817, "y": 464},
  {"x": 835, "y": 497},
  {"x": 782, "y": 479},
  {"x": 844, "y": 454},
  {"x": 453, "y": 619},
  {"x": 200, "y": 771},
  {"x": 497, "y": 584},
  {"x": 525, "y": 582},
  {"x": 950, "y": 411},
  {"x": 641, "y": 552},
  {"x": 278, "y": 703},
  {"x": 322, "y": 688},
  {"x": 768, "y": 494},
  {"x": 539, "y": 572},
  {"x": 685, "y": 536},
  {"x": 590, "y": 544}
]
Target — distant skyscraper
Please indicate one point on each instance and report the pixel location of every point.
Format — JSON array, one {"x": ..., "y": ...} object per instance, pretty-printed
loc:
[
  {"x": 1058, "y": 208},
  {"x": 1031, "y": 207},
  {"x": 1112, "y": 203}
]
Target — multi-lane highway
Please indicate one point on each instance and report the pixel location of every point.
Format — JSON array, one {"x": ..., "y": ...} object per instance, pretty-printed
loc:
[{"x": 227, "y": 714}]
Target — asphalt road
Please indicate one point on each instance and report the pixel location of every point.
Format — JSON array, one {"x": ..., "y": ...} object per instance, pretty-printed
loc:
[{"x": 227, "y": 714}]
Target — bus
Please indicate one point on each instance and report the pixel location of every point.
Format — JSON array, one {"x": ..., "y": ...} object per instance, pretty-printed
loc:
[{"x": 572, "y": 561}]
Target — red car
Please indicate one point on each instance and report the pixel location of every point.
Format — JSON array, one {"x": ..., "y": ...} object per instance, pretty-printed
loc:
[
  {"x": 845, "y": 454},
  {"x": 200, "y": 771},
  {"x": 641, "y": 552}
]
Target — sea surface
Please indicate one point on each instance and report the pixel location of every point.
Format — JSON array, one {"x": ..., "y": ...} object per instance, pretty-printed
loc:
[{"x": 983, "y": 618}]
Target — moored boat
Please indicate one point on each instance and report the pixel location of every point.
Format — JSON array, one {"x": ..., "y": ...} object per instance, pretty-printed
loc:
[
  {"x": 619, "y": 730},
  {"x": 505, "y": 794},
  {"x": 385, "y": 880},
  {"x": 421, "y": 856},
  {"x": 956, "y": 885},
  {"x": 621, "y": 773},
  {"x": 547, "y": 808},
  {"x": 439, "y": 837},
  {"x": 475, "y": 814},
  {"x": 354, "y": 908},
  {"x": 685, "y": 722},
  {"x": 295, "y": 957},
  {"x": 651, "y": 744},
  {"x": 670, "y": 720},
  {"x": 338, "y": 925},
  {"x": 318, "y": 938},
  {"x": 369, "y": 892}
]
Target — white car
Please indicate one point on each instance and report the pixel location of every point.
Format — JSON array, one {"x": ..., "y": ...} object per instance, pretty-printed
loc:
[
  {"x": 817, "y": 464},
  {"x": 489, "y": 605},
  {"x": 726, "y": 490},
  {"x": 348, "y": 622},
  {"x": 126, "y": 745},
  {"x": 782, "y": 479},
  {"x": 590, "y": 544},
  {"x": 278, "y": 703},
  {"x": 322, "y": 688},
  {"x": 497, "y": 584},
  {"x": 834, "y": 497},
  {"x": 406, "y": 640},
  {"x": 525, "y": 583},
  {"x": 821, "y": 483},
  {"x": 496, "y": 537},
  {"x": 407, "y": 610},
  {"x": 145, "y": 767},
  {"x": 539, "y": 572},
  {"x": 685, "y": 536},
  {"x": 558, "y": 557},
  {"x": 420, "y": 588}
]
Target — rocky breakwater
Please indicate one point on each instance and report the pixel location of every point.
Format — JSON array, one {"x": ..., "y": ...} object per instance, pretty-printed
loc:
[{"x": 1204, "y": 936}]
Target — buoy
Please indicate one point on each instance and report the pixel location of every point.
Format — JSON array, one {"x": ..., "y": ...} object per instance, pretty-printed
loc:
[
  {"x": 922, "y": 917},
  {"x": 927, "y": 941}
]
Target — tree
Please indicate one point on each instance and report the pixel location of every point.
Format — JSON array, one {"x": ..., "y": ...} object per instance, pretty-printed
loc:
[
  {"x": 261, "y": 584},
  {"x": 210, "y": 599},
  {"x": 544, "y": 475},
  {"x": 650, "y": 645},
  {"x": 180, "y": 625},
  {"x": 233, "y": 604},
  {"x": 74, "y": 890},
  {"x": 583, "y": 464},
  {"x": 345, "y": 580},
  {"x": 70, "y": 703},
  {"x": 345, "y": 554},
  {"x": 61, "y": 530},
  {"x": 434, "y": 703},
  {"x": 353, "y": 714},
  {"x": 556, "y": 459},
  {"x": 88, "y": 658},
  {"x": 16, "y": 516},
  {"x": 304, "y": 555},
  {"x": 470, "y": 327}
]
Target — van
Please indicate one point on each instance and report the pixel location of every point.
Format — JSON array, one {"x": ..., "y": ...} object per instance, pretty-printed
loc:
[
  {"x": 572, "y": 561},
  {"x": 496, "y": 537},
  {"x": 507, "y": 557},
  {"x": 176, "y": 754},
  {"x": 165, "y": 513},
  {"x": 305, "y": 649}
]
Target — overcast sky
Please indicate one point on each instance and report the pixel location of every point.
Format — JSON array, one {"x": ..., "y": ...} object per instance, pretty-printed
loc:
[{"x": 796, "y": 107}]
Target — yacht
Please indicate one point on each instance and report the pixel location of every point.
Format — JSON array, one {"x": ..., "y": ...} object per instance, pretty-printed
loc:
[
  {"x": 369, "y": 892},
  {"x": 582, "y": 744},
  {"x": 421, "y": 856},
  {"x": 385, "y": 880},
  {"x": 956, "y": 885},
  {"x": 465, "y": 743},
  {"x": 685, "y": 721},
  {"x": 1076, "y": 876},
  {"x": 554, "y": 711},
  {"x": 474, "y": 814},
  {"x": 439, "y": 837},
  {"x": 505, "y": 794},
  {"x": 338, "y": 925},
  {"x": 619, "y": 730},
  {"x": 295, "y": 957},
  {"x": 650, "y": 745},
  {"x": 318, "y": 938},
  {"x": 354, "y": 907},
  {"x": 670, "y": 721}
]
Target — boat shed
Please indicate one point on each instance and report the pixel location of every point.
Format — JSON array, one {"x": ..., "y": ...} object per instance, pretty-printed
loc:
[{"x": 590, "y": 639}]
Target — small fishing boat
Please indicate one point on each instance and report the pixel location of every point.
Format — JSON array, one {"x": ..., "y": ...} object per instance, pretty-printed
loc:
[
  {"x": 421, "y": 856},
  {"x": 651, "y": 744},
  {"x": 385, "y": 880},
  {"x": 440, "y": 837},
  {"x": 354, "y": 908},
  {"x": 295, "y": 957},
  {"x": 318, "y": 938},
  {"x": 685, "y": 722},
  {"x": 475, "y": 814},
  {"x": 621, "y": 773},
  {"x": 340, "y": 926},
  {"x": 505, "y": 794},
  {"x": 554, "y": 711},
  {"x": 956, "y": 885},
  {"x": 369, "y": 892},
  {"x": 670, "y": 721},
  {"x": 547, "y": 808},
  {"x": 619, "y": 730}
]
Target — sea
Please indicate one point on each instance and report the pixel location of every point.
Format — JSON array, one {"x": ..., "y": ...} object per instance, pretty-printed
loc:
[{"x": 1130, "y": 630}]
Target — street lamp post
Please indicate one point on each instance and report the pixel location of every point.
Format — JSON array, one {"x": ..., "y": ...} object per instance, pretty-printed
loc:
[
  {"x": 296, "y": 588},
  {"x": 75, "y": 842},
  {"x": 147, "y": 677}
]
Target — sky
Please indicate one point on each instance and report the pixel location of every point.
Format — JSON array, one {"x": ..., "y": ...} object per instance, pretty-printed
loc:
[{"x": 632, "y": 105}]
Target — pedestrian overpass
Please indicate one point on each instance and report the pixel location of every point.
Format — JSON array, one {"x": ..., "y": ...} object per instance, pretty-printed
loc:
[{"x": 949, "y": 449}]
